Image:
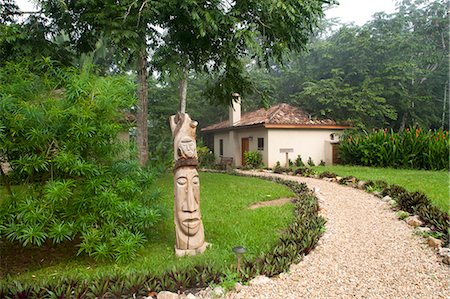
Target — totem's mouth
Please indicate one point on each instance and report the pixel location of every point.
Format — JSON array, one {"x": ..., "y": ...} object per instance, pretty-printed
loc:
[{"x": 191, "y": 222}]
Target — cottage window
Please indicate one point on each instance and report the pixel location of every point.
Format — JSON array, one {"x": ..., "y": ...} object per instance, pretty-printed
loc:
[
  {"x": 260, "y": 144},
  {"x": 221, "y": 147}
]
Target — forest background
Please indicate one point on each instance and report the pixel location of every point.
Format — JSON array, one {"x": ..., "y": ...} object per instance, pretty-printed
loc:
[{"x": 390, "y": 72}]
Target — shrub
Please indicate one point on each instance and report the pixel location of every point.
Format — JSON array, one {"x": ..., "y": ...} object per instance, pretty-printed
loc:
[
  {"x": 63, "y": 148},
  {"x": 327, "y": 174},
  {"x": 311, "y": 162},
  {"x": 279, "y": 169},
  {"x": 299, "y": 162},
  {"x": 206, "y": 158},
  {"x": 348, "y": 180},
  {"x": 304, "y": 171},
  {"x": 380, "y": 185},
  {"x": 414, "y": 148},
  {"x": 402, "y": 215},
  {"x": 253, "y": 159}
]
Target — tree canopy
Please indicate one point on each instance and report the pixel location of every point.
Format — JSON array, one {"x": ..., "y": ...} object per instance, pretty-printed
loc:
[
  {"x": 177, "y": 36},
  {"x": 392, "y": 71}
]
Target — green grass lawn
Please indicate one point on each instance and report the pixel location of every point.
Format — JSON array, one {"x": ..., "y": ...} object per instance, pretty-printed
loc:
[
  {"x": 227, "y": 220},
  {"x": 435, "y": 184}
]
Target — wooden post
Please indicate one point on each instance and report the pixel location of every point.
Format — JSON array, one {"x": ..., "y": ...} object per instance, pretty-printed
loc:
[{"x": 287, "y": 151}]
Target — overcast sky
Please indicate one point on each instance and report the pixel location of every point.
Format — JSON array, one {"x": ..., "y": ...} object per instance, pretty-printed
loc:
[{"x": 357, "y": 11}]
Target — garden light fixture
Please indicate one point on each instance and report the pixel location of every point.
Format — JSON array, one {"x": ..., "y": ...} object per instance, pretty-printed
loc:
[{"x": 239, "y": 251}]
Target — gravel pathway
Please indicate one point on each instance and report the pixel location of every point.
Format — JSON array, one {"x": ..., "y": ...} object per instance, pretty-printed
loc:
[{"x": 366, "y": 252}]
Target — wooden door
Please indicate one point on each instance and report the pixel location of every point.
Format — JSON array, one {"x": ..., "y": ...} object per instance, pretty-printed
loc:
[
  {"x": 335, "y": 153},
  {"x": 245, "y": 148}
]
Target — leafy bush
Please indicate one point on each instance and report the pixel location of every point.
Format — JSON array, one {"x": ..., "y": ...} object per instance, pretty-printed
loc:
[
  {"x": 327, "y": 174},
  {"x": 279, "y": 169},
  {"x": 299, "y": 162},
  {"x": 206, "y": 158},
  {"x": 304, "y": 171},
  {"x": 160, "y": 157},
  {"x": 414, "y": 148},
  {"x": 348, "y": 180},
  {"x": 253, "y": 158},
  {"x": 402, "y": 215},
  {"x": 311, "y": 162},
  {"x": 63, "y": 148}
]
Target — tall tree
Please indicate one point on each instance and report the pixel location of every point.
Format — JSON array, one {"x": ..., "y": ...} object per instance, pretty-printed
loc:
[
  {"x": 27, "y": 37},
  {"x": 417, "y": 55},
  {"x": 128, "y": 27},
  {"x": 214, "y": 36}
]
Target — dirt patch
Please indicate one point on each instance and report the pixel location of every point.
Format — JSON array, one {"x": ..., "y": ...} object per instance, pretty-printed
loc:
[
  {"x": 16, "y": 259},
  {"x": 275, "y": 202}
]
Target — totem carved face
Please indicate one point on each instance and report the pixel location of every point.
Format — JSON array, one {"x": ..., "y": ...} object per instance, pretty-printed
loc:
[
  {"x": 183, "y": 130},
  {"x": 188, "y": 222},
  {"x": 187, "y": 204}
]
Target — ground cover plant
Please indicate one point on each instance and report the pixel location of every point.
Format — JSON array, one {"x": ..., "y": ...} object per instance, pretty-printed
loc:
[
  {"x": 228, "y": 222},
  {"x": 433, "y": 183},
  {"x": 413, "y": 148},
  {"x": 418, "y": 203}
]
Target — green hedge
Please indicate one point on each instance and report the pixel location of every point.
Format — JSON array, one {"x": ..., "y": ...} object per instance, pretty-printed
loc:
[{"x": 414, "y": 148}]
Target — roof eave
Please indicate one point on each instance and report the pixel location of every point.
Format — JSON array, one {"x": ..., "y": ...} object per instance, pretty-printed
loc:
[
  {"x": 205, "y": 130},
  {"x": 306, "y": 126}
]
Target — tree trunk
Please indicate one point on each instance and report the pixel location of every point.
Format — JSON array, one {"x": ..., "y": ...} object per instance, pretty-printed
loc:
[
  {"x": 444, "y": 104},
  {"x": 403, "y": 123},
  {"x": 183, "y": 90},
  {"x": 142, "y": 109}
]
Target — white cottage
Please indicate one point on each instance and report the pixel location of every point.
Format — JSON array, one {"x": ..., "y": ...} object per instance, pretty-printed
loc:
[{"x": 282, "y": 132}]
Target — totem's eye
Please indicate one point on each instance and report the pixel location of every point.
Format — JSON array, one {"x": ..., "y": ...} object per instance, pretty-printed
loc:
[
  {"x": 195, "y": 180},
  {"x": 182, "y": 181}
]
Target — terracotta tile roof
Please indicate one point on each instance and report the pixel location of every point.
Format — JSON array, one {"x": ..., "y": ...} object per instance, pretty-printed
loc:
[{"x": 281, "y": 114}]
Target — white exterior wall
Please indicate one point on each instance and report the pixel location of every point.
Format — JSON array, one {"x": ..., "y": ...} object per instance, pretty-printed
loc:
[
  {"x": 226, "y": 146},
  {"x": 232, "y": 144},
  {"x": 314, "y": 143}
]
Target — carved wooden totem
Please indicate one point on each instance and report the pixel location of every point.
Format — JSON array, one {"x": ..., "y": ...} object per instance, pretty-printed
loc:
[{"x": 188, "y": 222}]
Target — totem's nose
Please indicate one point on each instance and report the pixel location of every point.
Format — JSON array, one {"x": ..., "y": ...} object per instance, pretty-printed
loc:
[{"x": 190, "y": 204}]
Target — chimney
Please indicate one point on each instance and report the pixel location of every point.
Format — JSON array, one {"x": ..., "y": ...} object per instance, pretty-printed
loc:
[{"x": 235, "y": 109}]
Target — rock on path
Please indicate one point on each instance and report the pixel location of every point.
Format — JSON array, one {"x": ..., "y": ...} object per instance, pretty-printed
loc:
[{"x": 366, "y": 252}]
